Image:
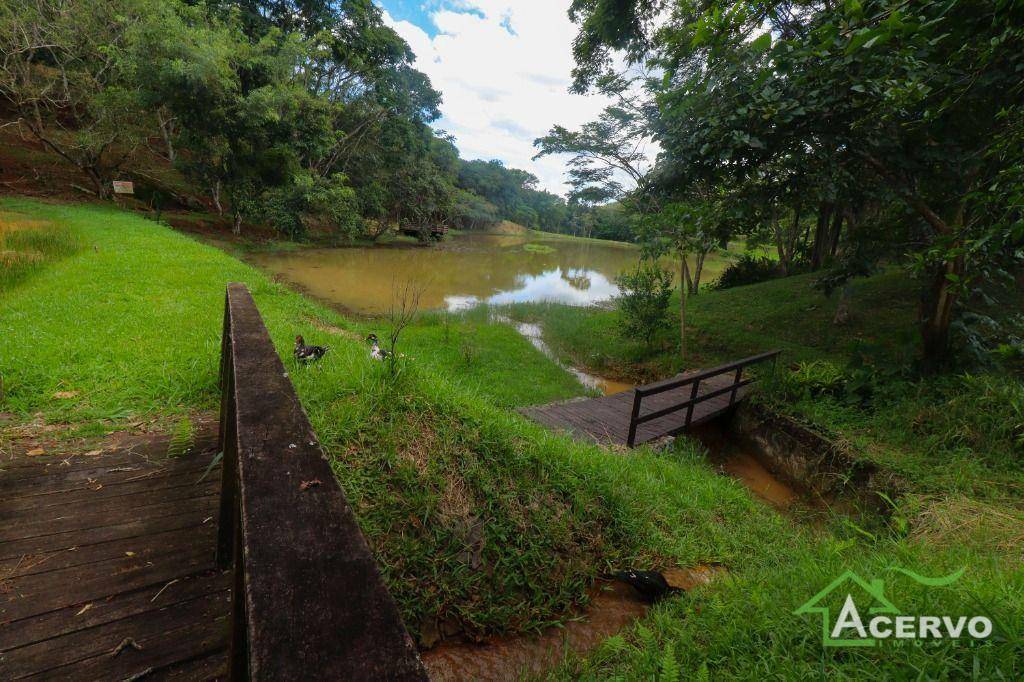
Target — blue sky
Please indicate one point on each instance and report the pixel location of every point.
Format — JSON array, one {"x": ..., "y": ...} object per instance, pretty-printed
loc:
[
  {"x": 418, "y": 12},
  {"x": 503, "y": 68}
]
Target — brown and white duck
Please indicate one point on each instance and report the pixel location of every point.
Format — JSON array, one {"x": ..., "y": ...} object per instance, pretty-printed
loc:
[{"x": 307, "y": 354}]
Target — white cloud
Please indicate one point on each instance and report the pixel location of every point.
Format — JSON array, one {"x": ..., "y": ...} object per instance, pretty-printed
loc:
[{"x": 504, "y": 77}]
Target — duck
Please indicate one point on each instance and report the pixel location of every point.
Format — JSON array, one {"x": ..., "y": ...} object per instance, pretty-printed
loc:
[
  {"x": 307, "y": 354},
  {"x": 376, "y": 352},
  {"x": 651, "y": 585}
]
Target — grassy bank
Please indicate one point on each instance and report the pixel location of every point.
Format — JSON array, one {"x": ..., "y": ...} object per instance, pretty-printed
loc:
[
  {"x": 955, "y": 441},
  {"x": 952, "y": 434},
  {"x": 723, "y": 325},
  {"x": 476, "y": 515}
]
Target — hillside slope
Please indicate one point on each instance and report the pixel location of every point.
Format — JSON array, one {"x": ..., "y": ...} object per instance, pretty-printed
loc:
[{"x": 477, "y": 517}]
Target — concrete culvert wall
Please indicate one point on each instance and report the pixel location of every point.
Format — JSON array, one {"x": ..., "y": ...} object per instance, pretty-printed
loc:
[{"x": 812, "y": 463}]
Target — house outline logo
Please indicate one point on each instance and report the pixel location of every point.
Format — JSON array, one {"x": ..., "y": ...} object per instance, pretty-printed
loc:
[
  {"x": 886, "y": 620},
  {"x": 875, "y": 588}
]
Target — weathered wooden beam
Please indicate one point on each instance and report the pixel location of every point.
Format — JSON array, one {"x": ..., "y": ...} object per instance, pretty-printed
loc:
[
  {"x": 669, "y": 384},
  {"x": 314, "y": 604}
]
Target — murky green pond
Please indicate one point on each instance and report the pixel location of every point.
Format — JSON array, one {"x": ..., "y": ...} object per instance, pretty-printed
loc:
[{"x": 459, "y": 273}]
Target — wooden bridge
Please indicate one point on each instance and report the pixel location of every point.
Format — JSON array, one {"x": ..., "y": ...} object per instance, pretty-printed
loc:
[
  {"x": 129, "y": 564},
  {"x": 650, "y": 412}
]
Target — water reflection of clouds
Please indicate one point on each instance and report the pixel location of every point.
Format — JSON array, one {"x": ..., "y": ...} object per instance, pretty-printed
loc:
[{"x": 579, "y": 287}]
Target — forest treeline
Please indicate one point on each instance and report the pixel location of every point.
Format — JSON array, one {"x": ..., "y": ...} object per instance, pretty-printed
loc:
[
  {"x": 846, "y": 136},
  {"x": 291, "y": 113}
]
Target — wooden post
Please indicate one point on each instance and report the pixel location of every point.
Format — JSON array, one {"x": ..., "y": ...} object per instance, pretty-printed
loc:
[
  {"x": 309, "y": 601},
  {"x": 631, "y": 438},
  {"x": 735, "y": 385},
  {"x": 693, "y": 398}
]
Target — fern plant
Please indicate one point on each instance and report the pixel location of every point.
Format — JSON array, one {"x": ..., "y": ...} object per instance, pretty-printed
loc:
[{"x": 182, "y": 439}]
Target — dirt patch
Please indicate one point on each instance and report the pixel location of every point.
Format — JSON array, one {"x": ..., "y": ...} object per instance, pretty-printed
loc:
[
  {"x": 613, "y": 607},
  {"x": 331, "y": 329}
]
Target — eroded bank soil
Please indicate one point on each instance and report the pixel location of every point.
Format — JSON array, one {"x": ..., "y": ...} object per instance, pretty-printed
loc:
[{"x": 613, "y": 606}]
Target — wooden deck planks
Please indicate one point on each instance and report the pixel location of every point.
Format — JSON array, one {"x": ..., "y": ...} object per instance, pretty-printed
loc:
[
  {"x": 102, "y": 549},
  {"x": 605, "y": 420}
]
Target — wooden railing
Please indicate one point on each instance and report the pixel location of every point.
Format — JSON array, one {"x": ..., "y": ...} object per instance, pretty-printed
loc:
[
  {"x": 308, "y": 600},
  {"x": 694, "y": 380}
]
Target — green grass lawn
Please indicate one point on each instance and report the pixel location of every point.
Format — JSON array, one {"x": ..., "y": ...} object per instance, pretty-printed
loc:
[
  {"x": 475, "y": 514},
  {"x": 486, "y": 359},
  {"x": 724, "y": 325}
]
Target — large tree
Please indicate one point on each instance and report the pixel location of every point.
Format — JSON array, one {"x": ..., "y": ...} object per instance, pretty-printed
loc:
[
  {"x": 281, "y": 105},
  {"x": 884, "y": 102},
  {"x": 67, "y": 70}
]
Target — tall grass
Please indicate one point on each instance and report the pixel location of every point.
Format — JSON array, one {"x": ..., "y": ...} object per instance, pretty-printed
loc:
[{"x": 26, "y": 245}]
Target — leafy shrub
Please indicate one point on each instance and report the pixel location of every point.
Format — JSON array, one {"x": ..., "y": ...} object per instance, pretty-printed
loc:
[
  {"x": 969, "y": 413},
  {"x": 327, "y": 199},
  {"x": 643, "y": 301},
  {"x": 989, "y": 341},
  {"x": 873, "y": 373},
  {"x": 747, "y": 269},
  {"x": 983, "y": 412},
  {"x": 812, "y": 379},
  {"x": 878, "y": 369}
]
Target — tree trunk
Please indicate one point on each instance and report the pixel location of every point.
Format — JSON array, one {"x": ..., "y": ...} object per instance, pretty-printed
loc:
[
  {"x": 236, "y": 227},
  {"x": 102, "y": 190},
  {"x": 687, "y": 277},
  {"x": 820, "y": 234},
  {"x": 166, "y": 125},
  {"x": 794, "y": 234},
  {"x": 683, "y": 275},
  {"x": 780, "y": 247},
  {"x": 939, "y": 299},
  {"x": 697, "y": 271},
  {"x": 842, "y": 315},
  {"x": 936, "y": 313},
  {"x": 215, "y": 195},
  {"x": 837, "y": 229}
]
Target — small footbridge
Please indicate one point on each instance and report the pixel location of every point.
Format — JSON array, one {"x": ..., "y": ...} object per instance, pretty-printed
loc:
[
  {"x": 646, "y": 413},
  {"x": 129, "y": 564}
]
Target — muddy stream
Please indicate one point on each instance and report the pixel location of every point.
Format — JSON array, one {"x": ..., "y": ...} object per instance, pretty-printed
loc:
[
  {"x": 535, "y": 335},
  {"x": 613, "y": 605}
]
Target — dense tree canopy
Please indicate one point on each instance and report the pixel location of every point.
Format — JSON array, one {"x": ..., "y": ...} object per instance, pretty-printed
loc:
[
  {"x": 514, "y": 195},
  {"x": 289, "y": 112},
  {"x": 847, "y": 134}
]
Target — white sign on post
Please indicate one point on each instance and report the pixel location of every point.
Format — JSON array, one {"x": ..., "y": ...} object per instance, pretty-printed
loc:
[{"x": 124, "y": 187}]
